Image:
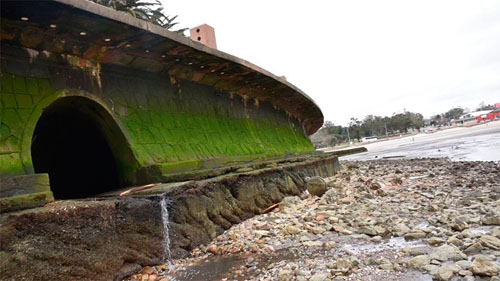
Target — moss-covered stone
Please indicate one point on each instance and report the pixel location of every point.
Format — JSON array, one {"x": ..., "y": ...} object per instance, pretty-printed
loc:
[
  {"x": 10, "y": 163},
  {"x": 25, "y": 201}
]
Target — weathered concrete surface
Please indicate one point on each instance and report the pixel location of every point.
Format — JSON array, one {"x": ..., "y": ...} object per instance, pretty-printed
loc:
[
  {"x": 79, "y": 240},
  {"x": 93, "y": 240},
  {"x": 24, "y": 191}
]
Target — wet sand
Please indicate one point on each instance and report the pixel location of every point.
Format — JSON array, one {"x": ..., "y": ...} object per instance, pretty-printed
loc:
[{"x": 478, "y": 143}]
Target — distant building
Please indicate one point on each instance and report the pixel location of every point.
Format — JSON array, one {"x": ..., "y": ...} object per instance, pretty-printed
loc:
[
  {"x": 495, "y": 114},
  {"x": 479, "y": 116}
]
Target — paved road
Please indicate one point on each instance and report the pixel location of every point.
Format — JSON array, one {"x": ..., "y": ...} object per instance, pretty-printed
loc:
[{"x": 478, "y": 143}]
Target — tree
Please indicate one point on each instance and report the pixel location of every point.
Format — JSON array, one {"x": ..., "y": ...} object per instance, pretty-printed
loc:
[
  {"x": 454, "y": 113},
  {"x": 148, "y": 10},
  {"x": 483, "y": 106},
  {"x": 335, "y": 139}
]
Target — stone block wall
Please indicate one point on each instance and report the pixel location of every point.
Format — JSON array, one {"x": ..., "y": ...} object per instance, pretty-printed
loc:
[{"x": 170, "y": 123}]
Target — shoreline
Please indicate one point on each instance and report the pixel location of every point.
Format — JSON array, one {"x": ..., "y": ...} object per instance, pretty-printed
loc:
[{"x": 405, "y": 219}]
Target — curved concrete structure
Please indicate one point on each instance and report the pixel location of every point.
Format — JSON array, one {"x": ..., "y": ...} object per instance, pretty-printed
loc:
[{"x": 86, "y": 89}]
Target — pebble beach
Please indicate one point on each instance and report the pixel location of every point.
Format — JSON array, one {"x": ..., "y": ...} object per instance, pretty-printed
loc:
[{"x": 407, "y": 219}]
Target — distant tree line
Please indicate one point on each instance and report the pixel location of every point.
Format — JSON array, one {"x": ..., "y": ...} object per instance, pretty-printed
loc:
[
  {"x": 444, "y": 119},
  {"x": 371, "y": 125}
]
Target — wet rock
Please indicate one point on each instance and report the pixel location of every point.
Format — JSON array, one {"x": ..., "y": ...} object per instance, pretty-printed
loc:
[
  {"x": 148, "y": 270},
  {"x": 459, "y": 224},
  {"x": 474, "y": 248},
  {"x": 290, "y": 202},
  {"x": 496, "y": 232},
  {"x": 261, "y": 233},
  {"x": 465, "y": 273},
  {"x": 368, "y": 230},
  {"x": 491, "y": 220},
  {"x": 445, "y": 272},
  {"x": 415, "y": 235},
  {"x": 447, "y": 252},
  {"x": 319, "y": 277},
  {"x": 290, "y": 229},
  {"x": 386, "y": 266},
  {"x": 285, "y": 275},
  {"x": 435, "y": 241},
  {"x": 127, "y": 269},
  {"x": 312, "y": 243},
  {"x": 430, "y": 268},
  {"x": 377, "y": 185},
  {"x": 212, "y": 249},
  {"x": 490, "y": 242},
  {"x": 482, "y": 266},
  {"x": 467, "y": 233},
  {"x": 318, "y": 230},
  {"x": 463, "y": 264},
  {"x": 454, "y": 241},
  {"x": 400, "y": 229},
  {"x": 484, "y": 257},
  {"x": 343, "y": 263},
  {"x": 418, "y": 262},
  {"x": 316, "y": 186},
  {"x": 413, "y": 251},
  {"x": 329, "y": 197}
]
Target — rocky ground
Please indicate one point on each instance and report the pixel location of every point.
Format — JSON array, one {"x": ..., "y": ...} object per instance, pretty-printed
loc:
[{"x": 426, "y": 219}]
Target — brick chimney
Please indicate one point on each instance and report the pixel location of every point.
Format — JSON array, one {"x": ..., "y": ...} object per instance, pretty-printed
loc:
[{"x": 205, "y": 34}]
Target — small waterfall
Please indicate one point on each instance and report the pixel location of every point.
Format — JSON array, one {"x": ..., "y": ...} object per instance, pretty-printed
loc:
[
  {"x": 165, "y": 203},
  {"x": 166, "y": 238}
]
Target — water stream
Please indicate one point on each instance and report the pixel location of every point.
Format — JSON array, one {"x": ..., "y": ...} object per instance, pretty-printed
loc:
[{"x": 166, "y": 237}]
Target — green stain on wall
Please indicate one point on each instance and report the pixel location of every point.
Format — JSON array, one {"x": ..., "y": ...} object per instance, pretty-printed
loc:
[{"x": 176, "y": 127}]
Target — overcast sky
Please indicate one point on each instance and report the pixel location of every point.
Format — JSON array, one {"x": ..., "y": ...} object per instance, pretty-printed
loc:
[{"x": 362, "y": 57}]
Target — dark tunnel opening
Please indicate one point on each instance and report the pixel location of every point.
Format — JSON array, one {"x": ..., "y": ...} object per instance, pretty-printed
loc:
[{"x": 69, "y": 144}]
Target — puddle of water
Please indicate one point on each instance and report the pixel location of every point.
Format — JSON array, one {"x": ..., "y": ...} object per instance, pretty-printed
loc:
[
  {"x": 481, "y": 229},
  {"x": 212, "y": 269},
  {"x": 220, "y": 267},
  {"x": 422, "y": 224},
  {"x": 418, "y": 177},
  {"x": 394, "y": 243}
]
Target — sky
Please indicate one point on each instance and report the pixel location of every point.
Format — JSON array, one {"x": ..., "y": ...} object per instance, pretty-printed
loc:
[{"x": 362, "y": 57}]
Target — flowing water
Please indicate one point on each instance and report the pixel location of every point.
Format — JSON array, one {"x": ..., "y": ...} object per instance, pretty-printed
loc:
[{"x": 166, "y": 237}]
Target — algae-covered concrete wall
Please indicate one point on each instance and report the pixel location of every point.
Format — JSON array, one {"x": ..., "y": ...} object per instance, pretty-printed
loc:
[
  {"x": 100, "y": 100},
  {"x": 172, "y": 124}
]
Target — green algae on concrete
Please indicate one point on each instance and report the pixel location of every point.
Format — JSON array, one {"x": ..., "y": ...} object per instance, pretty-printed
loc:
[
  {"x": 24, "y": 191},
  {"x": 31, "y": 200},
  {"x": 174, "y": 110},
  {"x": 176, "y": 137}
]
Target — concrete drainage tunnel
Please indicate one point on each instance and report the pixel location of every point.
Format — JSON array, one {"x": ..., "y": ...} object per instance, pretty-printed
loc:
[
  {"x": 95, "y": 101},
  {"x": 79, "y": 145}
]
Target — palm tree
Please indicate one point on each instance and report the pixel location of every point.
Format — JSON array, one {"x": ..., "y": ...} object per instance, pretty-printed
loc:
[{"x": 149, "y": 10}]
